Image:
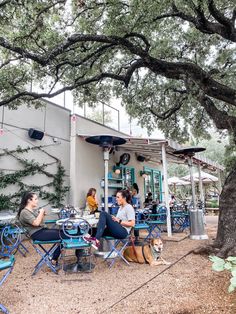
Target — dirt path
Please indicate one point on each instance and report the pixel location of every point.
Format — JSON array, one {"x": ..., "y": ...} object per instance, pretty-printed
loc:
[{"x": 189, "y": 286}]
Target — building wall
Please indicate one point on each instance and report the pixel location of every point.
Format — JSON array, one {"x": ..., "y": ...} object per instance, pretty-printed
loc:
[
  {"x": 51, "y": 119},
  {"x": 82, "y": 161},
  {"x": 87, "y": 163}
]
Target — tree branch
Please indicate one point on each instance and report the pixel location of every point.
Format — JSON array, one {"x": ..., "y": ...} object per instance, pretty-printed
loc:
[
  {"x": 171, "y": 70},
  {"x": 4, "y": 3},
  {"x": 142, "y": 37},
  {"x": 224, "y": 26},
  {"x": 218, "y": 15},
  {"x": 168, "y": 113},
  {"x": 221, "y": 118},
  {"x": 77, "y": 83}
]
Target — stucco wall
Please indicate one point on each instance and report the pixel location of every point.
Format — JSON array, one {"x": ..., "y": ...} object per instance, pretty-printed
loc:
[
  {"x": 88, "y": 165},
  {"x": 51, "y": 119}
]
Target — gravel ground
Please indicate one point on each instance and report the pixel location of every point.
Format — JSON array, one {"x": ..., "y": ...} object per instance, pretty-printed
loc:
[{"x": 187, "y": 286}]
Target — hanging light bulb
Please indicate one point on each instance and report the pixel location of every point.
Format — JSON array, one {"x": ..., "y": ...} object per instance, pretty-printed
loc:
[
  {"x": 116, "y": 169},
  {"x": 143, "y": 174}
]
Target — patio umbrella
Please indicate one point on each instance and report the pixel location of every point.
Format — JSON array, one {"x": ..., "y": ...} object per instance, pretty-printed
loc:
[
  {"x": 175, "y": 181},
  {"x": 206, "y": 177}
]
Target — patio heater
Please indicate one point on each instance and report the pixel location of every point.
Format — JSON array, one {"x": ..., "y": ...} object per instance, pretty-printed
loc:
[
  {"x": 197, "y": 231},
  {"x": 106, "y": 142}
]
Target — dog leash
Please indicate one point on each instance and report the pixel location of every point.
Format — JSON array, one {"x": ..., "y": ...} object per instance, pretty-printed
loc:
[
  {"x": 145, "y": 283},
  {"x": 133, "y": 246},
  {"x": 146, "y": 262}
]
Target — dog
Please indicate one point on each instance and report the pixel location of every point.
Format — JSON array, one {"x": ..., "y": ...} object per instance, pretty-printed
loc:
[{"x": 147, "y": 253}]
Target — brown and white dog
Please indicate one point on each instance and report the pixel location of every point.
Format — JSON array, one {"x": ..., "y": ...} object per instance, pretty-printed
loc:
[{"x": 148, "y": 253}]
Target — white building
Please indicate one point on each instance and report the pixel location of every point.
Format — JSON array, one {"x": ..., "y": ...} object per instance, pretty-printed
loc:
[{"x": 64, "y": 142}]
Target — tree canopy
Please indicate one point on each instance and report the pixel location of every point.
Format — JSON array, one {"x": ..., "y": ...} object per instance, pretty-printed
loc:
[{"x": 172, "y": 61}]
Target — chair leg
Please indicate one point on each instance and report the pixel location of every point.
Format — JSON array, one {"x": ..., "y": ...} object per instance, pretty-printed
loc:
[
  {"x": 118, "y": 252},
  {"x": 153, "y": 233},
  {"x": 22, "y": 249},
  {"x": 3, "y": 309},
  {"x": 45, "y": 257}
]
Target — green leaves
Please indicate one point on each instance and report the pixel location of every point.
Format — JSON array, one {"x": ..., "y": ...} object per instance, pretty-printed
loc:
[
  {"x": 55, "y": 43},
  {"x": 231, "y": 259},
  {"x": 54, "y": 191},
  {"x": 218, "y": 263},
  {"x": 229, "y": 264}
]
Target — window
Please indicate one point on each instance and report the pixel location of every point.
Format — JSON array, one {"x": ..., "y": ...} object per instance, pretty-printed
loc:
[
  {"x": 128, "y": 176},
  {"x": 152, "y": 183}
]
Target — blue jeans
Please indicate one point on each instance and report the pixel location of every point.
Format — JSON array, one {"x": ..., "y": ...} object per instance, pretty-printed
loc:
[{"x": 107, "y": 227}]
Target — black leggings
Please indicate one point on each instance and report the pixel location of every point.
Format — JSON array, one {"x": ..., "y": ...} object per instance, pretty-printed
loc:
[
  {"x": 46, "y": 234},
  {"x": 107, "y": 227}
]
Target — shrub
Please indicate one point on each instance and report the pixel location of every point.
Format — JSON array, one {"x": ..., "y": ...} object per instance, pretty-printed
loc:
[{"x": 220, "y": 264}]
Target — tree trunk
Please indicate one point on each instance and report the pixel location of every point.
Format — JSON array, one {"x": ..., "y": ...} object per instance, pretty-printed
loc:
[{"x": 226, "y": 234}]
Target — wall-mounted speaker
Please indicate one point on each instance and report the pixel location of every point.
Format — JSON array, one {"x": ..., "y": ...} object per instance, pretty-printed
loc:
[
  {"x": 35, "y": 134},
  {"x": 140, "y": 158}
]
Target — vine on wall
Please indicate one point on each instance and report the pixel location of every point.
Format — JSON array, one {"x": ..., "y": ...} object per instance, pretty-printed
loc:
[{"x": 58, "y": 190}]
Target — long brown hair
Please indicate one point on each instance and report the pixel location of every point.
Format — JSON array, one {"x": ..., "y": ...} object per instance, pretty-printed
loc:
[
  {"x": 24, "y": 201},
  {"x": 90, "y": 191},
  {"x": 126, "y": 195}
]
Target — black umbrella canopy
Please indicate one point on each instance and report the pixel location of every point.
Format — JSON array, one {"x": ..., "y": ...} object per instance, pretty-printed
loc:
[
  {"x": 105, "y": 141},
  {"x": 189, "y": 151}
]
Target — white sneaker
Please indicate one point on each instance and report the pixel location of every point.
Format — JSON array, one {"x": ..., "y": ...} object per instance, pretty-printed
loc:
[{"x": 113, "y": 255}]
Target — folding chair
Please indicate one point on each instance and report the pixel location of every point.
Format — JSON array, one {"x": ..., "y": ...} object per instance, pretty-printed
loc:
[
  {"x": 180, "y": 221},
  {"x": 155, "y": 222},
  {"x": 140, "y": 222},
  {"x": 6, "y": 264},
  {"x": 45, "y": 253},
  {"x": 117, "y": 249},
  {"x": 74, "y": 231}
]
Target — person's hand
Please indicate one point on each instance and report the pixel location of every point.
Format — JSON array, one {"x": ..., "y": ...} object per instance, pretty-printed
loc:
[
  {"x": 42, "y": 210},
  {"x": 115, "y": 218}
]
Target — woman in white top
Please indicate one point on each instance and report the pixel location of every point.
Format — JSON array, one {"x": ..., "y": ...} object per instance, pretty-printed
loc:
[{"x": 118, "y": 227}]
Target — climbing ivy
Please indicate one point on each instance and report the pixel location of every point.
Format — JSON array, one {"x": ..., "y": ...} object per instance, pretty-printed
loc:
[{"x": 30, "y": 168}]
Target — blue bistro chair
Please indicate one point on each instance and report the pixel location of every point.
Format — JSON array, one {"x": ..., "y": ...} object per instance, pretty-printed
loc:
[
  {"x": 156, "y": 222},
  {"x": 45, "y": 249},
  {"x": 141, "y": 221},
  {"x": 11, "y": 241},
  {"x": 74, "y": 232},
  {"x": 6, "y": 264},
  {"x": 67, "y": 212},
  {"x": 64, "y": 213},
  {"x": 117, "y": 249},
  {"x": 180, "y": 221}
]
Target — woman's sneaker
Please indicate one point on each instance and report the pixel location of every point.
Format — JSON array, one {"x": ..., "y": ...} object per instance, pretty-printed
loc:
[
  {"x": 87, "y": 238},
  {"x": 94, "y": 242}
]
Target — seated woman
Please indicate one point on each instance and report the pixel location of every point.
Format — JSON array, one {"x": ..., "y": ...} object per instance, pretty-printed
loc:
[
  {"x": 148, "y": 199},
  {"x": 172, "y": 201},
  {"x": 32, "y": 220},
  {"x": 118, "y": 227},
  {"x": 92, "y": 201}
]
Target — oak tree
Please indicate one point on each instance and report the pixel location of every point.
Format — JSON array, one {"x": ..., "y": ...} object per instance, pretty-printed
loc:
[{"x": 172, "y": 62}]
